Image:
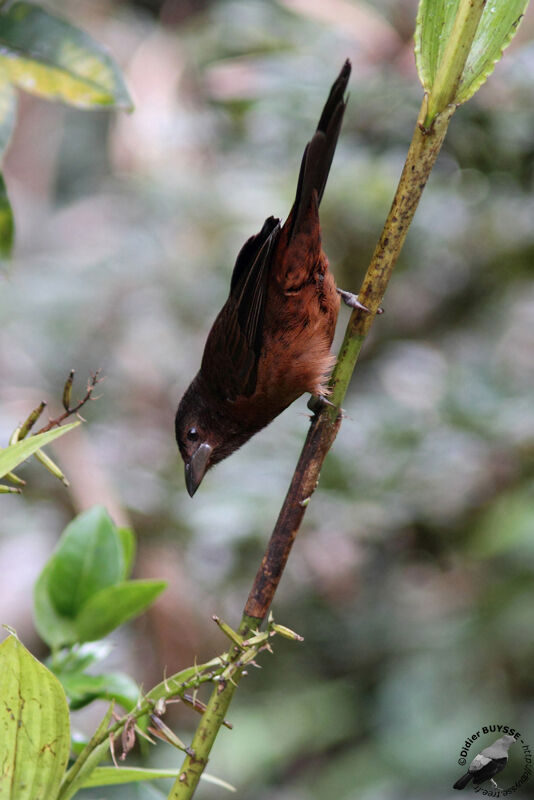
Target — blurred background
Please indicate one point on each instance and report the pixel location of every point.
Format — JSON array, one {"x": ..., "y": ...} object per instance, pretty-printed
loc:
[{"x": 412, "y": 578}]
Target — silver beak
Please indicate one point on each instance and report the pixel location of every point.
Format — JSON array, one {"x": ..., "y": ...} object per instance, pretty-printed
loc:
[{"x": 196, "y": 469}]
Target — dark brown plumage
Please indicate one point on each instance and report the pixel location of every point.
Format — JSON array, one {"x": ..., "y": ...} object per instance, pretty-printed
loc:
[{"x": 271, "y": 340}]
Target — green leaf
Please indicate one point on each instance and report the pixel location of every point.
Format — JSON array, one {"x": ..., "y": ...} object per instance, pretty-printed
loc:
[
  {"x": 34, "y": 726},
  {"x": 433, "y": 44},
  {"x": 8, "y": 111},
  {"x": 48, "y": 56},
  {"x": 498, "y": 26},
  {"x": 110, "y": 607},
  {"x": 82, "y": 689},
  {"x": 11, "y": 456},
  {"x": 127, "y": 537},
  {"x": 91, "y": 755},
  {"x": 79, "y": 658},
  {"x": 88, "y": 558},
  {"x": 432, "y": 32},
  {"x": 7, "y": 221},
  {"x": 113, "y": 776},
  {"x": 55, "y": 629}
]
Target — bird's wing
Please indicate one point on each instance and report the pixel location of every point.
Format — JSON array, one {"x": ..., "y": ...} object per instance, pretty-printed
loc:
[
  {"x": 235, "y": 340},
  {"x": 249, "y": 253},
  {"x": 478, "y": 763}
]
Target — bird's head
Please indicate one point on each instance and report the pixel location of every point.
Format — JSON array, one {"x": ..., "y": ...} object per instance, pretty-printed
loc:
[
  {"x": 195, "y": 436},
  {"x": 507, "y": 740},
  {"x": 205, "y": 435}
]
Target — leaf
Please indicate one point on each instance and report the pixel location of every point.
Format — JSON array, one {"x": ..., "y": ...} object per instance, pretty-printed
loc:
[
  {"x": 82, "y": 689},
  {"x": 11, "y": 456},
  {"x": 91, "y": 755},
  {"x": 110, "y": 607},
  {"x": 80, "y": 595},
  {"x": 496, "y": 29},
  {"x": 114, "y": 776},
  {"x": 8, "y": 111},
  {"x": 78, "y": 659},
  {"x": 127, "y": 538},
  {"x": 46, "y": 55},
  {"x": 498, "y": 26},
  {"x": 34, "y": 726},
  {"x": 55, "y": 629},
  {"x": 88, "y": 558},
  {"x": 433, "y": 29}
]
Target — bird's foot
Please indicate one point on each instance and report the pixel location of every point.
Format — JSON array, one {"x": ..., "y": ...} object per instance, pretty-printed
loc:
[
  {"x": 495, "y": 785},
  {"x": 317, "y": 402},
  {"x": 352, "y": 301}
]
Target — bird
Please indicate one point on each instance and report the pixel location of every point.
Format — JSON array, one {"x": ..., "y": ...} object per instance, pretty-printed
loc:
[
  {"x": 487, "y": 763},
  {"x": 270, "y": 343}
]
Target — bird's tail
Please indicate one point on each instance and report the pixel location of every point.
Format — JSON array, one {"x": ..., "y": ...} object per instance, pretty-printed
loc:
[
  {"x": 462, "y": 782},
  {"x": 319, "y": 152}
]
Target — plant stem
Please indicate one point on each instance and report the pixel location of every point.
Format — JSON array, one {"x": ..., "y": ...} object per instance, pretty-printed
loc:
[
  {"x": 208, "y": 727},
  {"x": 320, "y": 438},
  {"x": 94, "y": 751},
  {"x": 422, "y": 154},
  {"x": 203, "y": 740}
]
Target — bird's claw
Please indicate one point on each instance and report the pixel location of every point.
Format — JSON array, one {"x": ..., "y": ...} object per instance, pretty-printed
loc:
[
  {"x": 317, "y": 402},
  {"x": 352, "y": 301}
]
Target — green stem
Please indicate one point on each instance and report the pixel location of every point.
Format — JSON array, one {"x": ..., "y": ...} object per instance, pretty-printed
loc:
[
  {"x": 422, "y": 154},
  {"x": 208, "y": 728}
]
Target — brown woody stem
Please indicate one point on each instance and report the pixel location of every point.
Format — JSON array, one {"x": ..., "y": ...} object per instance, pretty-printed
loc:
[{"x": 319, "y": 440}]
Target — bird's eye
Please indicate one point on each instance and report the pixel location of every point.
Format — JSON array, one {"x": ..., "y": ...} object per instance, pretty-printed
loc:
[{"x": 192, "y": 434}]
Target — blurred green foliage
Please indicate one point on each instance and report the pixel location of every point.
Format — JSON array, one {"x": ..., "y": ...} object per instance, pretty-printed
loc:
[
  {"x": 412, "y": 582},
  {"x": 45, "y": 55}
]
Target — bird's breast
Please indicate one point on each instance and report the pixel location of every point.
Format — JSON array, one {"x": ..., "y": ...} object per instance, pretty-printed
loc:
[{"x": 295, "y": 356}]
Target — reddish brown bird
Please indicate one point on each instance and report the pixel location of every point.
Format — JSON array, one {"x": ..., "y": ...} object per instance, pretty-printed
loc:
[{"x": 271, "y": 340}]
